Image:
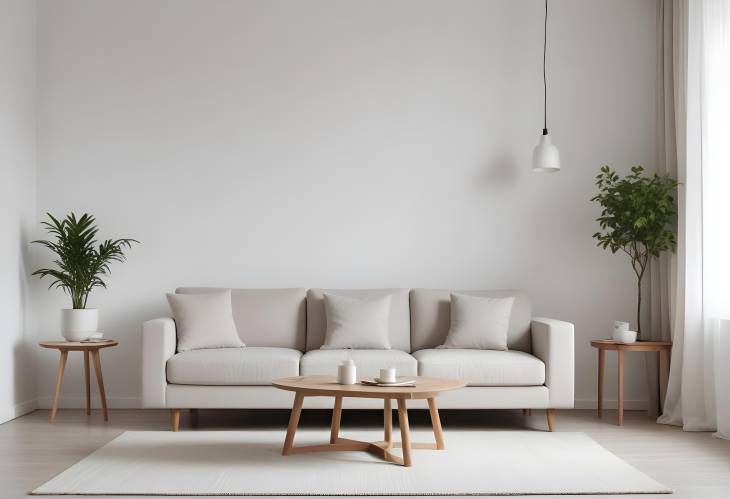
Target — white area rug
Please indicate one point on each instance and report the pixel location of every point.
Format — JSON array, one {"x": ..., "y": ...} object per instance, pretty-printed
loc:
[{"x": 250, "y": 463}]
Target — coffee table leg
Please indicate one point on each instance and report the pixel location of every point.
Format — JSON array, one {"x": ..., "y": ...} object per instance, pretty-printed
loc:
[
  {"x": 404, "y": 432},
  {"x": 388, "y": 423},
  {"x": 59, "y": 382},
  {"x": 336, "y": 418},
  {"x": 436, "y": 423},
  {"x": 293, "y": 423}
]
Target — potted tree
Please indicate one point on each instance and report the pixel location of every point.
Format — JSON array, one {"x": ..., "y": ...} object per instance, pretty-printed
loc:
[
  {"x": 81, "y": 266},
  {"x": 638, "y": 217}
]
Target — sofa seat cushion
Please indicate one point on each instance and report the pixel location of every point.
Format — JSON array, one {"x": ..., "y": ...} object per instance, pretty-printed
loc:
[
  {"x": 368, "y": 362},
  {"x": 482, "y": 367},
  {"x": 233, "y": 366}
]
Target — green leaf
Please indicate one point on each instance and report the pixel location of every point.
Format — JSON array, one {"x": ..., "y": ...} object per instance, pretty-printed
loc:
[
  {"x": 79, "y": 260},
  {"x": 638, "y": 214}
]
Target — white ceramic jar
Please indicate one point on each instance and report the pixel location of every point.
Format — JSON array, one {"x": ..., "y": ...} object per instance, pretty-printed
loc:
[{"x": 347, "y": 372}]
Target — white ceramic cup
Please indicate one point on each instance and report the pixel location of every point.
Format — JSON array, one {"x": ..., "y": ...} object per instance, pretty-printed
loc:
[
  {"x": 619, "y": 326},
  {"x": 387, "y": 374}
]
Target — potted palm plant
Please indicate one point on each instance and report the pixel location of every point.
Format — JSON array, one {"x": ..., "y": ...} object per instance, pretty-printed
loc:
[
  {"x": 81, "y": 266},
  {"x": 638, "y": 217}
]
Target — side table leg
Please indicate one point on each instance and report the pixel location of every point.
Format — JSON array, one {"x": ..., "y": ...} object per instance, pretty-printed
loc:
[
  {"x": 293, "y": 423},
  {"x": 601, "y": 370},
  {"x": 663, "y": 375},
  {"x": 405, "y": 435},
  {"x": 620, "y": 387},
  {"x": 87, "y": 382},
  {"x": 336, "y": 418},
  {"x": 59, "y": 381},
  {"x": 436, "y": 423},
  {"x": 100, "y": 382},
  {"x": 387, "y": 423}
]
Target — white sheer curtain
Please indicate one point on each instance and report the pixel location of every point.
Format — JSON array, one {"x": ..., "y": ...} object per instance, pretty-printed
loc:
[{"x": 699, "y": 379}]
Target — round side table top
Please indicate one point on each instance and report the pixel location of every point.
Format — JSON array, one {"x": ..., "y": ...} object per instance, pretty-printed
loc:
[
  {"x": 639, "y": 346},
  {"x": 328, "y": 386},
  {"x": 78, "y": 345}
]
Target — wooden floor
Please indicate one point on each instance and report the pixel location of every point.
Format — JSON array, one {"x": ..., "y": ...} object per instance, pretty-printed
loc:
[{"x": 694, "y": 465}]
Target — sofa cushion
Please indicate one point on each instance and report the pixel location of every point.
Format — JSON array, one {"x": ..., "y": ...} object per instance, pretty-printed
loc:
[
  {"x": 357, "y": 322},
  {"x": 204, "y": 321},
  {"x": 431, "y": 317},
  {"x": 399, "y": 322},
  {"x": 478, "y": 322},
  {"x": 266, "y": 317},
  {"x": 482, "y": 367},
  {"x": 368, "y": 362},
  {"x": 233, "y": 366}
]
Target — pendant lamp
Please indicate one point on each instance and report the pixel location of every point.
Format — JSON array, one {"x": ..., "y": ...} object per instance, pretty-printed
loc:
[{"x": 545, "y": 156}]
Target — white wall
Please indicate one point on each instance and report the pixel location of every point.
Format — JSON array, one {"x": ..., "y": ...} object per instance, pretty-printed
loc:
[
  {"x": 348, "y": 144},
  {"x": 17, "y": 204}
]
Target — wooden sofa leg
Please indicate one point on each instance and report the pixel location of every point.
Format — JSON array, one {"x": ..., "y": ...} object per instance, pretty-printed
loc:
[
  {"x": 194, "y": 418},
  {"x": 175, "y": 415},
  {"x": 527, "y": 412},
  {"x": 551, "y": 419}
]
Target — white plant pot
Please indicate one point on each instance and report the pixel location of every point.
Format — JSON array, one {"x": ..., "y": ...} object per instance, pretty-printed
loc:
[{"x": 79, "y": 324}]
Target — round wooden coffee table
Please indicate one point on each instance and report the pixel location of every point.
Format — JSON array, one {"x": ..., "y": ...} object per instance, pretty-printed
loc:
[{"x": 326, "y": 386}]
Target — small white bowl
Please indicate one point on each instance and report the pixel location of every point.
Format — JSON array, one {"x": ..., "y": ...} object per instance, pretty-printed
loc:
[{"x": 624, "y": 336}]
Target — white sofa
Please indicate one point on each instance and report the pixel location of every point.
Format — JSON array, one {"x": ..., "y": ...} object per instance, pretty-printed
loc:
[{"x": 284, "y": 328}]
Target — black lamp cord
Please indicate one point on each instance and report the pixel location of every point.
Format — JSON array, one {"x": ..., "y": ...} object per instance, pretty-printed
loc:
[{"x": 544, "y": 77}]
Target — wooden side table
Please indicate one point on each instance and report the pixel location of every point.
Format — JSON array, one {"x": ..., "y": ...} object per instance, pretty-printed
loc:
[
  {"x": 663, "y": 348},
  {"x": 88, "y": 348}
]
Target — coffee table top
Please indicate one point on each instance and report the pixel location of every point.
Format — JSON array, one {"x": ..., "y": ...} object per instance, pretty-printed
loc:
[{"x": 328, "y": 386}]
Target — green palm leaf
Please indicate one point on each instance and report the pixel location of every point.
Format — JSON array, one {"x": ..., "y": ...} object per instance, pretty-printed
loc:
[{"x": 81, "y": 263}]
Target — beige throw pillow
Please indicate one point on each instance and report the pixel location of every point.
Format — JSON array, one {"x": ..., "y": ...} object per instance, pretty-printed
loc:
[
  {"x": 361, "y": 323},
  {"x": 479, "y": 322},
  {"x": 204, "y": 321}
]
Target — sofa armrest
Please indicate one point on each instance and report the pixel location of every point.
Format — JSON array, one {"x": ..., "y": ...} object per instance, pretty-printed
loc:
[
  {"x": 553, "y": 343},
  {"x": 159, "y": 340}
]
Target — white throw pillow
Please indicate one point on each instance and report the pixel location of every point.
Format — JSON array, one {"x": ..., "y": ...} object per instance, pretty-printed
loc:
[
  {"x": 204, "y": 321},
  {"x": 479, "y": 322},
  {"x": 357, "y": 322}
]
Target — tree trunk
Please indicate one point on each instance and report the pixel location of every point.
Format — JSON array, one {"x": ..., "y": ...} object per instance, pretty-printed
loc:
[{"x": 638, "y": 309}]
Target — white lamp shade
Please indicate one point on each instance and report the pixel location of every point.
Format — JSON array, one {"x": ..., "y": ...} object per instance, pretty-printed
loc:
[{"x": 545, "y": 156}]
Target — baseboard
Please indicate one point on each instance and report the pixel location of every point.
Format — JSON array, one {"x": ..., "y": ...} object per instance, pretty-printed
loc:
[
  {"x": 70, "y": 402},
  {"x": 75, "y": 402},
  {"x": 629, "y": 405},
  {"x": 17, "y": 410}
]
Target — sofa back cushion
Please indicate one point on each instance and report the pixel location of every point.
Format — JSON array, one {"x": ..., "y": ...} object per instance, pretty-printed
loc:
[
  {"x": 266, "y": 317},
  {"x": 431, "y": 317},
  {"x": 399, "y": 322}
]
